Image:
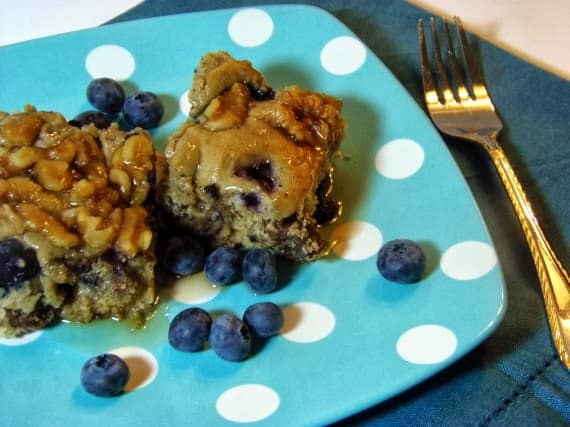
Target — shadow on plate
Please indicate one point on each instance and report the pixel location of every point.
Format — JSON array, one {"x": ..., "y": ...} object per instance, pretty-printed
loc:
[
  {"x": 279, "y": 75},
  {"x": 354, "y": 170}
]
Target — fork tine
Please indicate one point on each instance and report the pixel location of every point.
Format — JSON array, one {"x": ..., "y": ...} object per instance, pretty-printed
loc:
[
  {"x": 445, "y": 87},
  {"x": 427, "y": 79},
  {"x": 471, "y": 68},
  {"x": 456, "y": 72}
]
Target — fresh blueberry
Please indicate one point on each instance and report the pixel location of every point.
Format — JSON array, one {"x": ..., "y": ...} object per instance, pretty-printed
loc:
[
  {"x": 17, "y": 263},
  {"x": 223, "y": 266},
  {"x": 401, "y": 261},
  {"x": 264, "y": 319},
  {"x": 259, "y": 270},
  {"x": 105, "y": 375},
  {"x": 190, "y": 329},
  {"x": 183, "y": 255},
  {"x": 99, "y": 119},
  {"x": 144, "y": 109},
  {"x": 106, "y": 95},
  {"x": 230, "y": 338}
]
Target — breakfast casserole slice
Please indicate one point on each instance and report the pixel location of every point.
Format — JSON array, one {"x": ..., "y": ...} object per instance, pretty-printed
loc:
[
  {"x": 251, "y": 167},
  {"x": 76, "y": 237}
]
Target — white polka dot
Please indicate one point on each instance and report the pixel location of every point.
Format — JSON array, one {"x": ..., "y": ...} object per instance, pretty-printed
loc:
[
  {"x": 143, "y": 366},
  {"x": 194, "y": 289},
  {"x": 247, "y": 403},
  {"x": 343, "y": 55},
  {"x": 111, "y": 61},
  {"x": 250, "y": 27},
  {"x": 184, "y": 104},
  {"x": 356, "y": 240},
  {"x": 23, "y": 340},
  {"x": 426, "y": 344},
  {"x": 468, "y": 260},
  {"x": 307, "y": 322},
  {"x": 399, "y": 158}
]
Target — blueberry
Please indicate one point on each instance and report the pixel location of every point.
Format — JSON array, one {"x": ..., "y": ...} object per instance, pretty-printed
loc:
[
  {"x": 326, "y": 211},
  {"x": 144, "y": 109},
  {"x": 223, "y": 266},
  {"x": 264, "y": 319},
  {"x": 261, "y": 172},
  {"x": 190, "y": 329},
  {"x": 99, "y": 119},
  {"x": 230, "y": 338},
  {"x": 251, "y": 200},
  {"x": 17, "y": 263},
  {"x": 183, "y": 255},
  {"x": 325, "y": 187},
  {"x": 105, "y": 375},
  {"x": 259, "y": 270},
  {"x": 401, "y": 261},
  {"x": 261, "y": 93},
  {"x": 213, "y": 191},
  {"x": 106, "y": 95}
]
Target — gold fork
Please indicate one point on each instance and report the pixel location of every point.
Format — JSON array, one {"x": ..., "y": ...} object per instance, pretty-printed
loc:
[{"x": 461, "y": 107}]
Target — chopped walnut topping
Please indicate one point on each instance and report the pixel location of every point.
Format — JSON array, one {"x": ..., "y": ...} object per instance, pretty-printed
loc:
[
  {"x": 53, "y": 175},
  {"x": 134, "y": 234},
  {"x": 10, "y": 222},
  {"x": 229, "y": 109},
  {"x": 20, "y": 129},
  {"x": 307, "y": 117},
  {"x": 217, "y": 72},
  {"x": 79, "y": 188}
]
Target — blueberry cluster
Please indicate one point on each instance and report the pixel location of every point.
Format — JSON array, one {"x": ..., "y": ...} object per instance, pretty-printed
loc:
[
  {"x": 183, "y": 255},
  {"x": 230, "y": 337},
  {"x": 107, "y": 96}
]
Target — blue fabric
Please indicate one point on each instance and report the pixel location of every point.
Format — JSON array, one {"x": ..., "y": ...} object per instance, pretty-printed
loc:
[{"x": 514, "y": 377}]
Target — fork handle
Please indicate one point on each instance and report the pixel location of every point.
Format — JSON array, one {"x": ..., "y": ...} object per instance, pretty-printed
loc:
[{"x": 554, "y": 280}]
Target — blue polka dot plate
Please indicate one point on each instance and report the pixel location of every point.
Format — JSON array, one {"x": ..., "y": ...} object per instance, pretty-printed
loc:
[{"x": 351, "y": 339}]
